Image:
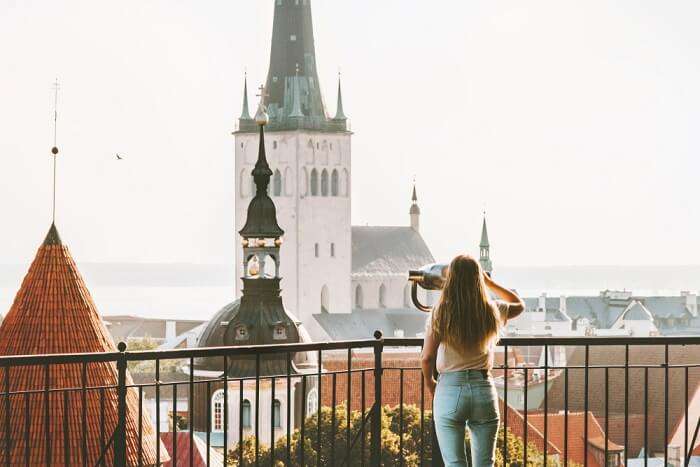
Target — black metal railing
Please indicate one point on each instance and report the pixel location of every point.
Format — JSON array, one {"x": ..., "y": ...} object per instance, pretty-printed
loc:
[{"x": 350, "y": 403}]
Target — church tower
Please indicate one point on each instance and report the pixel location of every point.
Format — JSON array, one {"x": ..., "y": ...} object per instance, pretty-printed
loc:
[
  {"x": 484, "y": 249},
  {"x": 309, "y": 154}
]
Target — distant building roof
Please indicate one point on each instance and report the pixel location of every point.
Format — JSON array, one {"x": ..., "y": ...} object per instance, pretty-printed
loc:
[
  {"x": 199, "y": 451},
  {"x": 361, "y": 324},
  {"x": 53, "y": 312},
  {"x": 387, "y": 250}
]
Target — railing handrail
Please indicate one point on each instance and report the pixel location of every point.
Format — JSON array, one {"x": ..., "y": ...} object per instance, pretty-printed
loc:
[{"x": 174, "y": 354}]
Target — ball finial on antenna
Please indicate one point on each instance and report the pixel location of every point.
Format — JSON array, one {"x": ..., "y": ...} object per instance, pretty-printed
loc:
[{"x": 54, "y": 150}]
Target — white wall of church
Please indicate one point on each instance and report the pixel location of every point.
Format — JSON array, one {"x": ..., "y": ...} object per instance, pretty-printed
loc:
[
  {"x": 311, "y": 189},
  {"x": 390, "y": 292}
]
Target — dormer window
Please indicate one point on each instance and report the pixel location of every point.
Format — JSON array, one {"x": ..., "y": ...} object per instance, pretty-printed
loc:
[
  {"x": 279, "y": 332},
  {"x": 241, "y": 332},
  {"x": 293, "y": 38}
]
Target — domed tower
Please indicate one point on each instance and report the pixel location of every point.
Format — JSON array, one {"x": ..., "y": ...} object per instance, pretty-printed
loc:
[{"x": 257, "y": 318}]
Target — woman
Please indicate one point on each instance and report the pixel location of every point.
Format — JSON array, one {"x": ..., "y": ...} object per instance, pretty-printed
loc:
[{"x": 459, "y": 342}]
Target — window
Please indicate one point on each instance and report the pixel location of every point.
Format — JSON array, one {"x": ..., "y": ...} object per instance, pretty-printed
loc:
[
  {"x": 241, "y": 332},
  {"x": 277, "y": 183},
  {"x": 346, "y": 183},
  {"x": 314, "y": 182},
  {"x": 293, "y": 37},
  {"x": 316, "y": 250},
  {"x": 279, "y": 332},
  {"x": 382, "y": 296},
  {"x": 325, "y": 299},
  {"x": 245, "y": 414},
  {"x": 312, "y": 402},
  {"x": 277, "y": 414},
  {"x": 318, "y": 146},
  {"x": 358, "y": 297},
  {"x": 332, "y": 250},
  {"x": 274, "y": 145},
  {"x": 217, "y": 411},
  {"x": 324, "y": 182},
  {"x": 407, "y": 296},
  {"x": 334, "y": 183}
]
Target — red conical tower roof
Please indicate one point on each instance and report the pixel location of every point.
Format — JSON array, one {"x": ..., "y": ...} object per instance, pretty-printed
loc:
[{"x": 53, "y": 312}]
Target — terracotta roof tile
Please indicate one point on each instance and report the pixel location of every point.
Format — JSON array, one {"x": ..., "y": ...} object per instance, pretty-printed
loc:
[{"x": 53, "y": 312}]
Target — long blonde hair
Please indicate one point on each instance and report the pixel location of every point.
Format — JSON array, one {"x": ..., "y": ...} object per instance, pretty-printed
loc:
[{"x": 464, "y": 317}]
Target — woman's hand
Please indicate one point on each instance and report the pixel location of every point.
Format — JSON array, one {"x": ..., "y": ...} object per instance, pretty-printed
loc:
[
  {"x": 515, "y": 303},
  {"x": 430, "y": 383}
]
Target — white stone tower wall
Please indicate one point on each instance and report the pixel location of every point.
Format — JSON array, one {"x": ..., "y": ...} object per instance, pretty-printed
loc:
[{"x": 307, "y": 220}]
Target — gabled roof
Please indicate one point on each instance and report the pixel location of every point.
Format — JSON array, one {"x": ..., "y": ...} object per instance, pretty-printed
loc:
[
  {"x": 53, "y": 312},
  {"x": 388, "y": 250},
  {"x": 635, "y": 312}
]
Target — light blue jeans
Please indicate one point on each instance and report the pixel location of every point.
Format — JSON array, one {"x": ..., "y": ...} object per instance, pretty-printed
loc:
[{"x": 466, "y": 398}]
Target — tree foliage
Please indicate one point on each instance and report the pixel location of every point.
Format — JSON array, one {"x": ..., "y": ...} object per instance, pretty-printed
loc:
[{"x": 403, "y": 434}]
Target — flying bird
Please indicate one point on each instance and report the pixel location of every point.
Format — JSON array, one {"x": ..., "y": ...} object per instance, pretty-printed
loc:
[{"x": 119, "y": 157}]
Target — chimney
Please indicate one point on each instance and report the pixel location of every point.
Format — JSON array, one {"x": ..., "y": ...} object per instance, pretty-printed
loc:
[
  {"x": 542, "y": 302},
  {"x": 170, "y": 333}
]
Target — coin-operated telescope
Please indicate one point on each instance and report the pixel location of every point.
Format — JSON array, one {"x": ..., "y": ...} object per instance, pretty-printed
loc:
[{"x": 429, "y": 277}]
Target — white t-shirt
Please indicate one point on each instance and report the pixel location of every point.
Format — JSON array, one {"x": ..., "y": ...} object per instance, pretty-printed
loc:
[{"x": 451, "y": 359}]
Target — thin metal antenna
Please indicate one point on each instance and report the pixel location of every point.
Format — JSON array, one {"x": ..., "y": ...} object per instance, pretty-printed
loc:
[{"x": 54, "y": 149}]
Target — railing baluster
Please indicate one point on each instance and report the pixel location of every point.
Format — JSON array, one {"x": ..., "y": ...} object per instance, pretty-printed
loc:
[
  {"x": 585, "y": 408},
  {"x": 318, "y": 415},
  {"x": 333, "y": 418},
  {"x": 83, "y": 413},
  {"x": 606, "y": 413},
  {"x": 646, "y": 414},
  {"x": 685, "y": 434},
  {"x": 422, "y": 424},
  {"x": 47, "y": 414},
  {"x": 349, "y": 401},
  {"x": 208, "y": 428},
  {"x": 190, "y": 407},
  {"x": 7, "y": 448},
  {"x": 140, "y": 460},
  {"x": 401, "y": 417},
  {"x": 304, "y": 408},
  {"x": 566, "y": 417},
  {"x": 546, "y": 413},
  {"x": 272, "y": 418},
  {"x": 257, "y": 409},
  {"x": 120, "y": 431},
  {"x": 666, "y": 404},
  {"x": 174, "y": 430},
  {"x": 376, "y": 440},
  {"x": 66, "y": 429},
  {"x": 27, "y": 425},
  {"x": 362, "y": 423},
  {"x": 505, "y": 405},
  {"x": 102, "y": 426},
  {"x": 525, "y": 430},
  {"x": 240, "y": 419},
  {"x": 157, "y": 382},
  {"x": 289, "y": 408},
  {"x": 627, "y": 363},
  {"x": 225, "y": 414}
]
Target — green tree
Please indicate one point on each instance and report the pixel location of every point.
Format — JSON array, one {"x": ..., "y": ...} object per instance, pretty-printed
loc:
[{"x": 334, "y": 439}]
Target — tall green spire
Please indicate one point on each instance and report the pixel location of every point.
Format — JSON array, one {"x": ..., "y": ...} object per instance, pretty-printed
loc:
[
  {"x": 339, "y": 114},
  {"x": 485, "y": 249},
  {"x": 245, "y": 114}
]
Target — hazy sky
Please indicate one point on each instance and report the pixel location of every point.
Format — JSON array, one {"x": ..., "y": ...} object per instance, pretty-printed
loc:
[{"x": 575, "y": 123}]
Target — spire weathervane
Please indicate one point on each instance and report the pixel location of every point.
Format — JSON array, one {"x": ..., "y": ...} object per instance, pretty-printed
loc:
[{"x": 54, "y": 149}]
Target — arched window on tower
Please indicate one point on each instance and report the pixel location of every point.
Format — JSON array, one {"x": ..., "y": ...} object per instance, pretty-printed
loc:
[
  {"x": 288, "y": 182},
  {"x": 245, "y": 413},
  {"x": 243, "y": 183},
  {"x": 277, "y": 183},
  {"x": 314, "y": 182},
  {"x": 217, "y": 411},
  {"x": 324, "y": 182},
  {"x": 407, "y": 296},
  {"x": 325, "y": 300},
  {"x": 334, "y": 183},
  {"x": 358, "y": 297},
  {"x": 382, "y": 296},
  {"x": 346, "y": 183}
]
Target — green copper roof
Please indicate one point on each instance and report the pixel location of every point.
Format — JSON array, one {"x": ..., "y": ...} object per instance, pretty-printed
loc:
[
  {"x": 484, "y": 235},
  {"x": 294, "y": 99}
]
